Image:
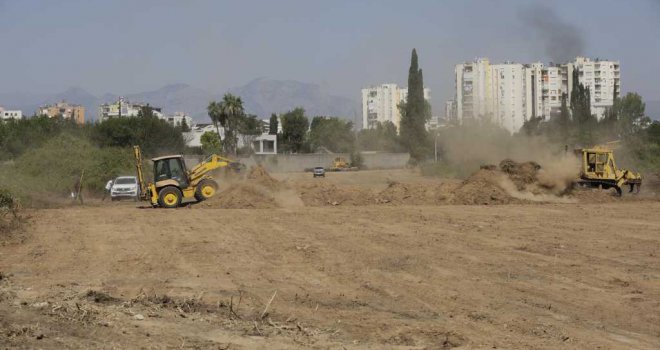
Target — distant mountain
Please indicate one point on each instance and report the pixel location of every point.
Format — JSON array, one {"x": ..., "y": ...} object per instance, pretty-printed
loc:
[
  {"x": 177, "y": 98},
  {"x": 653, "y": 109},
  {"x": 265, "y": 96},
  {"x": 261, "y": 97}
]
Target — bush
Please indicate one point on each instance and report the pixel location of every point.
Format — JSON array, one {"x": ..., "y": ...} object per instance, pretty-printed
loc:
[
  {"x": 54, "y": 167},
  {"x": 357, "y": 160},
  {"x": 9, "y": 218}
]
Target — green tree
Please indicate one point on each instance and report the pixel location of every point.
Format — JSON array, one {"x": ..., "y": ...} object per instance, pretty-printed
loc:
[
  {"x": 273, "y": 124},
  {"x": 564, "y": 121},
  {"x": 415, "y": 113},
  {"x": 210, "y": 143},
  {"x": 214, "y": 111},
  {"x": 228, "y": 113},
  {"x": 584, "y": 122},
  {"x": 332, "y": 133},
  {"x": 294, "y": 130},
  {"x": 631, "y": 115},
  {"x": 249, "y": 128},
  {"x": 184, "y": 126},
  {"x": 152, "y": 134},
  {"x": 533, "y": 126},
  {"x": 231, "y": 114},
  {"x": 383, "y": 137}
]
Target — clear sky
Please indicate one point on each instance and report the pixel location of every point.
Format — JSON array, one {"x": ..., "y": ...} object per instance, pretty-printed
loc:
[{"x": 127, "y": 46}]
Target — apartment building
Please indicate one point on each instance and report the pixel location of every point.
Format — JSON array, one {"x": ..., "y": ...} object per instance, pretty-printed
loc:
[
  {"x": 380, "y": 104},
  {"x": 64, "y": 110},
  {"x": 510, "y": 94},
  {"x": 124, "y": 108}
]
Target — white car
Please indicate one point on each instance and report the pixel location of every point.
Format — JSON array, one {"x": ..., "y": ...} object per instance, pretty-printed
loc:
[{"x": 125, "y": 187}]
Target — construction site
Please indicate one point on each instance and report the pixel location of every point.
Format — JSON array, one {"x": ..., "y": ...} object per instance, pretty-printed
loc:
[{"x": 514, "y": 257}]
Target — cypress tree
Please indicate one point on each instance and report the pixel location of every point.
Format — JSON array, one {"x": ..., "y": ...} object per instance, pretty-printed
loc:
[
  {"x": 415, "y": 113},
  {"x": 273, "y": 125}
]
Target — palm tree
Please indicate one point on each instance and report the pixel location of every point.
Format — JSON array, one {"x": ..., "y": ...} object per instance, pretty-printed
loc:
[
  {"x": 215, "y": 110},
  {"x": 231, "y": 112}
]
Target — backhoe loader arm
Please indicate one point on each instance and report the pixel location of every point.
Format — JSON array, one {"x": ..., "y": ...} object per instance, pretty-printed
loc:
[
  {"x": 140, "y": 175},
  {"x": 211, "y": 163}
]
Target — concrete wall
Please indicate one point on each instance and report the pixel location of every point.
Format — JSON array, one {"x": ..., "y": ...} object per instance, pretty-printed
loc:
[{"x": 283, "y": 163}]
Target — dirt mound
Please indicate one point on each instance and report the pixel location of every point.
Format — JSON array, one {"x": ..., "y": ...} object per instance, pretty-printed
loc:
[
  {"x": 413, "y": 194},
  {"x": 242, "y": 196},
  {"x": 260, "y": 176},
  {"x": 483, "y": 188},
  {"x": 322, "y": 194},
  {"x": 522, "y": 174}
]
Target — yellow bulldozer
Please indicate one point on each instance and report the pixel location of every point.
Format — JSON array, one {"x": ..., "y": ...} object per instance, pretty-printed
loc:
[
  {"x": 173, "y": 182},
  {"x": 340, "y": 164},
  {"x": 599, "y": 170}
]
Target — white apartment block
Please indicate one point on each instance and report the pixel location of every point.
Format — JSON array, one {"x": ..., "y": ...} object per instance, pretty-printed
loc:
[
  {"x": 124, "y": 108},
  {"x": 510, "y": 94},
  {"x": 6, "y": 114},
  {"x": 380, "y": 104},
  {"x": 473, "y": 92},
  {"x": 603, "y": 80},
  {"x": 178, "y": 119},
  {"x": 507, "y": 95}
]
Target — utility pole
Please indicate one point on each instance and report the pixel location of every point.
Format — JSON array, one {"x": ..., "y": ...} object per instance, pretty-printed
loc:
[{"x": 435, "y": 145}]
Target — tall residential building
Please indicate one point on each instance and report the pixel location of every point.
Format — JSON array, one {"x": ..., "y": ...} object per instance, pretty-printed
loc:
[
  {"x": 64, "y": 110},
  {"x": 473, "y": 91},
  {"x": 450, "y": 111},
  {"x": 510, "y": 94},
  {"x": 507, "y": 95},
  {"x": 603, "y": 79},
  {"x": 380, "y": 104}
]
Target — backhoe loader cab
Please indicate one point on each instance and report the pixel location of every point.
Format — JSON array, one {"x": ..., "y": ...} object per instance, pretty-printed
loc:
[
  {"x": 170, "y": 168},
  {"x": 598, "y": 169},
  {"x": 174, "y": 182}
]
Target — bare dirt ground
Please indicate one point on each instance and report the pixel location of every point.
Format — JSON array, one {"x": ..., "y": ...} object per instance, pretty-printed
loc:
[{"x": 303, "y": 272}]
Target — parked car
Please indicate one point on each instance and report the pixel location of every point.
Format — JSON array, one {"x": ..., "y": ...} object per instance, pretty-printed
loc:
[
  {"x": 125, "y": 187},
  {"x": 319, "y": 171}
]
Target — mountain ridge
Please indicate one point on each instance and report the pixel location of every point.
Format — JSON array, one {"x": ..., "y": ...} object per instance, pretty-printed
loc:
[{"x": 261, "y": 96}]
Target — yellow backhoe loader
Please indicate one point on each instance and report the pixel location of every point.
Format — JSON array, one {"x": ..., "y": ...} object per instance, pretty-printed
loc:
[
  {"x": 598, "y": 169},
  {"x": 173, "y": 182}
]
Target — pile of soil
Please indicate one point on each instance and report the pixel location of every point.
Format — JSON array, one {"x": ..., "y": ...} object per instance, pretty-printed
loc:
[
  {"x": 260, "y": 176},
  {"x": 483, "y": 188},
  {"x": 242, "y": 196},
  {"x": 412, "y": 194},
  {"x": 323, "y": 194},
  {"x": 522, "y": 174}
]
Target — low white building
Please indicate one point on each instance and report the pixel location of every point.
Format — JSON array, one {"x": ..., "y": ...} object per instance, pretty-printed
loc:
[
  {"x": 265, "y": 144},
  {"x": 178, "y": 119},
  {"x": 6, "y": 114}
]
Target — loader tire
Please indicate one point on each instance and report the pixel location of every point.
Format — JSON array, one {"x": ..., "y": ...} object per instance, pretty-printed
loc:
[
  {"x": 619, "y": 192},
  {"x": 205, "y": 190},
  {"x": 169, "y": 197}
]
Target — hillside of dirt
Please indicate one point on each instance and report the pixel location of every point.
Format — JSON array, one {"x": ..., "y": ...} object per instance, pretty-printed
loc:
[{"x": 509, "y": 182}]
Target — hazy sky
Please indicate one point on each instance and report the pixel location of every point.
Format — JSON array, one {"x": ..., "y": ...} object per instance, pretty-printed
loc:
[{"x": 132, "y": 46}]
